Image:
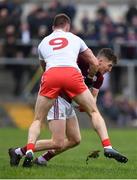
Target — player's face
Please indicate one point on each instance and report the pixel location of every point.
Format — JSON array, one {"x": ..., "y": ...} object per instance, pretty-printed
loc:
[{"x": 104, "y": 65}]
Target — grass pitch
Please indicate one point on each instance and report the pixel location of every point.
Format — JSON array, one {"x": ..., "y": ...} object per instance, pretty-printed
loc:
[{"x": 72, "y": 164}]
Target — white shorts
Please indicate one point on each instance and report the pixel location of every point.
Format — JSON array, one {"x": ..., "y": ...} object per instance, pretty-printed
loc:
[{"x": 61, "y": 110}]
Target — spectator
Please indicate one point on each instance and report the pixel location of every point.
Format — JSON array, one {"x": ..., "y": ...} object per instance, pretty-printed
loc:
[
  {"x": 131, "y": 12},
  {"x": 4, "y": 21},
  {"x": 42, "y": 32},
  {"x": 120, "y": 33},
  {"x": 109, "y": 106},
  {"x": 24, "y": 45},
  {"x": 11, "y": 51},
  {"x": 85, "y": 22},
  {"x": 10, "y": 47},
  {"x": 24, "y": 33},
  {"x": 124, "y": 112},
  {"x": 54, "y": 8},
  {"x": 69, "y": 8}
]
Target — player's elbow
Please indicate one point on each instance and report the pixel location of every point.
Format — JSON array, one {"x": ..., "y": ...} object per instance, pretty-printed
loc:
[{"x": 89, "y": 57}]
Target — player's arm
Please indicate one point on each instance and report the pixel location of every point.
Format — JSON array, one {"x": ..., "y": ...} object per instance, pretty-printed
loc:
[
  {"x": 91, "y": 72},
  {"x": 94, "y": 92},
  {"x": 96, "y": 85},
  {"x": 41, "y": 59},
  {"x": 88, "y": 56}
]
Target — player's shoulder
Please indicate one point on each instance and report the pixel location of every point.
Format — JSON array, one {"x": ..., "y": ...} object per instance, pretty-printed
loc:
[
  {"x": 73, "y": 35},
  {"x": 42, "y": 42}
]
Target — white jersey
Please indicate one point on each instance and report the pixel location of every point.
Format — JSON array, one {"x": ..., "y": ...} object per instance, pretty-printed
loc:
[{"x": 61, "y": 49}]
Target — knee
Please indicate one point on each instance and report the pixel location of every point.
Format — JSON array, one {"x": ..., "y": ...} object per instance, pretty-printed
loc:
[
  {"x": 76, "y": 141},
  {"x": 93, "y": 111}
]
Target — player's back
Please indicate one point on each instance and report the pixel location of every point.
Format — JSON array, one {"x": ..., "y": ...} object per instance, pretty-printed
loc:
[{"x": 61, "y": 49}]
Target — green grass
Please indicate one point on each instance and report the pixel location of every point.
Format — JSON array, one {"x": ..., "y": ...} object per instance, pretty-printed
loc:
[{"x": 71, "y": 164}]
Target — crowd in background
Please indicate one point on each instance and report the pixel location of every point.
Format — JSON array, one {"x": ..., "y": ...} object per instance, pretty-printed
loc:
[
  {"x": 19, "y": 38},
  {"x": 38, "y": 23}
]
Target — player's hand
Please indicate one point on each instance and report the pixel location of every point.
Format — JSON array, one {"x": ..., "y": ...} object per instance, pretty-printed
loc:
[{"x": 92, "y": 71}]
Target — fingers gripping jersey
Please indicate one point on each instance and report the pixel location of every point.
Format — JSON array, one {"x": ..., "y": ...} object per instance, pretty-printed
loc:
[
  {"x": 61, "y": 49},
  {"x": 97, "y": 80}
]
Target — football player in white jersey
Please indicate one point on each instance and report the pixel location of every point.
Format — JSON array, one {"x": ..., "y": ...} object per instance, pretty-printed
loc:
[
  {"x": 58, "y": 52},
  {"x": 62, "y": 111}
]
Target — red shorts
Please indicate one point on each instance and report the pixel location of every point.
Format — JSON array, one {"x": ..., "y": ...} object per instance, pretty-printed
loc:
[{"x": 62, "y": 79}]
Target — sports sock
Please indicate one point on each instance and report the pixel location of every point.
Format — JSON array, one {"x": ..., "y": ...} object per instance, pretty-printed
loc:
[
  {"x": 42, "y": 160},
  {"x": 21, "y": 151},
  {"x": 46, "y": 157},
  {"x": 30, "y": 148},
  {"x": 106, "y": 143}
]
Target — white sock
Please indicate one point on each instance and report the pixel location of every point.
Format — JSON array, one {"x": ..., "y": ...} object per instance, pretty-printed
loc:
[
  {"x": 108, "y": 147},
  {"x": 29, "y": 151},
  {"x": 19, "y": 152},
  {"x": 42, "y": 160}
]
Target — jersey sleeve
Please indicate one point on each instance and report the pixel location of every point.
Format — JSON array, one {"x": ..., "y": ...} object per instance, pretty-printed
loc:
[{"x": 83, "y": 46}]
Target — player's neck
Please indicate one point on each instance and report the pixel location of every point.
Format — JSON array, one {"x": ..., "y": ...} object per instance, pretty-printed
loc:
[
  {"x": 58, "y": 29},
  {"x": 65, "y": 29}
]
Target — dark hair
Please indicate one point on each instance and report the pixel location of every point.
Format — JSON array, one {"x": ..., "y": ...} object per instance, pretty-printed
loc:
[
  {"x": 61, "y": 20},
  {"x": 109, "y": 54}
]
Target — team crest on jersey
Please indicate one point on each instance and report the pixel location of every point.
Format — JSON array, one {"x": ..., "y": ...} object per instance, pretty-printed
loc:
[{"x": 94, "y": 78}]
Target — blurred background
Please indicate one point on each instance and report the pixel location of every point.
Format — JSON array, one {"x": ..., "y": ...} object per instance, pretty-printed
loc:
[{"x": 110, "y": 23}]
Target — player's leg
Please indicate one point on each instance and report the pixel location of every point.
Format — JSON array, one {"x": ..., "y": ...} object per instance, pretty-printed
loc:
[
  {"x": 58, "y": 131},
  {"x": 57, "y": 125},
  {"x": 72, "y": 132},
  {"x": 87, "y": 101},
  {"x": 67, "y": 113},
  {"x": 43, "y": 104},
  {"x": 72, "y": 140},
  {"x": 57, "y": 109},
  {"x": 57, "y": 128},
  {"x": 72, "y": 127}
]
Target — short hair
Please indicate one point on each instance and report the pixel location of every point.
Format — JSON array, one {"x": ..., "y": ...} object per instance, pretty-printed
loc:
[
  {"x": 61, "y": 20},
  {"x": 109, "y": 54}
]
